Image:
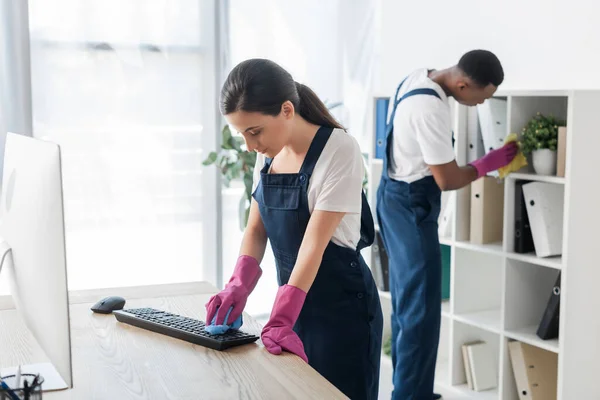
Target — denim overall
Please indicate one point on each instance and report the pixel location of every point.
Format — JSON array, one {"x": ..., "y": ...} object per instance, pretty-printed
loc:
[
  {"x": 341, "y": 322},
  {"x": 408, "y": 215}
]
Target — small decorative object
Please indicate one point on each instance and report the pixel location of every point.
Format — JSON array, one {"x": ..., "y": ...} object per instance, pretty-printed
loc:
[{"x": 540, "y": 139}]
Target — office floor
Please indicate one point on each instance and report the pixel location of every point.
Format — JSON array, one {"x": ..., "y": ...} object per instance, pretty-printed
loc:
[{"x": 385, "y": 383}]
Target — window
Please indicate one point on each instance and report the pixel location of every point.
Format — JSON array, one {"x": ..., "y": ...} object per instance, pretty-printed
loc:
[{"x": 126, "y": 87}]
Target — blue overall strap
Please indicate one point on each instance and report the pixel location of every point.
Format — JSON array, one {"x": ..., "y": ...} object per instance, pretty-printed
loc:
[{"x": 390, "y": 124}]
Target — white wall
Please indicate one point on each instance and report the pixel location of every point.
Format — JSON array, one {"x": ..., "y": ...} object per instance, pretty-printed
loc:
[{"x": 542, "y": 44}]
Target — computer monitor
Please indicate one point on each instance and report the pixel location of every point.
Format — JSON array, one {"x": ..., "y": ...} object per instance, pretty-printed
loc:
[{"x": 32, "y": 227}]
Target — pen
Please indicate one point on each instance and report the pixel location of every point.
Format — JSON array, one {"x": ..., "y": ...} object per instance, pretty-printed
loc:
[
  {"x": 25, "y": 389},
  {"x": 8, "y": 390},
  {"x": 32, "y": 386},
  {"x": 18, "y": 377}
]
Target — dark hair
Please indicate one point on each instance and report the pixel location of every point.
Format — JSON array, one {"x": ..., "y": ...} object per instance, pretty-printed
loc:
[
  {"x": 483, "y": 67},
  {"x": 260, "y": 85}
]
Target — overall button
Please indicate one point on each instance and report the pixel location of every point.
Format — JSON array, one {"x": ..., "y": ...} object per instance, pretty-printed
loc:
[
  {"x": 360, "y": 295},
  {"x": 354, "y": 264},
  {"x": 302, "y": 178}
]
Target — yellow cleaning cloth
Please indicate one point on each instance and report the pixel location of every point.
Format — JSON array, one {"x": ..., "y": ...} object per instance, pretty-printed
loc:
[{"x": 517, "y": 163}]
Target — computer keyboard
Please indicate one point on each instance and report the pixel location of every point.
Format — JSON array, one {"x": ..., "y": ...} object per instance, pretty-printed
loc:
[{"x": 180, "y": 327}]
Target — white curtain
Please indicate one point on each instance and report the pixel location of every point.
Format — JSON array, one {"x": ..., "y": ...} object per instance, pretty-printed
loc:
[
  {"x": 357, "y": 27},
  {"x": 15, "y": 82}
]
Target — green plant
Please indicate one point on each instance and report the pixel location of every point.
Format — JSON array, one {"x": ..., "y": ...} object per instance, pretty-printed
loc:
[
  {"x": 235, "y": 162},
  {"x": 541, "y": 132},
  {"x": 387, "y": 346}
]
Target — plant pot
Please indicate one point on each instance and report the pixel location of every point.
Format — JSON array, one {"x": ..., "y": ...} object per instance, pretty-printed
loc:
[{"x": 544, "y": 161}]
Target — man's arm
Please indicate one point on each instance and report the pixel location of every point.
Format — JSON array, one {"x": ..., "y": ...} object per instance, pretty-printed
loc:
[{"x": 450, "y": 176}]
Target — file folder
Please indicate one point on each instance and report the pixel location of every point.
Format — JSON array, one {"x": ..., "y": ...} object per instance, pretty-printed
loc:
[
  {"x": 381, "y": 114},
  {"x": 483, "y": 367},
  {"x": 523, "y": 241},
  {"x": 548, "y": 328},
  {"x": 544, "y": 202},
  {"x": 487, "y": 210},
  {"x": 475, "y": 148},
  {"x": 535, "y": 371},
  {"x": 380, "y": 263},
  {"x": 492, "y": 120},
  {"x": 448, "y": 202},
  {"x": 561, "y": 151}
]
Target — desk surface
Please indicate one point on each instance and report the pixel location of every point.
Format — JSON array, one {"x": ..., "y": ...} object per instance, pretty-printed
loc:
[{"x": 112, "y": 360}]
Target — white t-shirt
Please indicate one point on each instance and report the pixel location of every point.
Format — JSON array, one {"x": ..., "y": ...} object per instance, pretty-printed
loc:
[
  {"x": 422, "y": 130},
  {"x": 335, "y": 184}
]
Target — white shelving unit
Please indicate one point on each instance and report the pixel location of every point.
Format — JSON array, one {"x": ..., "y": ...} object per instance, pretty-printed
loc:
[{"x": 498, "y": 295}]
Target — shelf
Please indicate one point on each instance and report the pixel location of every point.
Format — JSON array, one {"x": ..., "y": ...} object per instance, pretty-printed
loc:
[
  {"x": 489, "y": 320},
  {"x": 531, "y": 258},
  {"x": 537, "y": 178},
  {"x": 492, "y": 248},
  {"x": 528, "y": 335}
]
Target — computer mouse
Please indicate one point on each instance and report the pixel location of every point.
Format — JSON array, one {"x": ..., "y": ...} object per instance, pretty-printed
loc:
[{"x": 108, "y": 305}]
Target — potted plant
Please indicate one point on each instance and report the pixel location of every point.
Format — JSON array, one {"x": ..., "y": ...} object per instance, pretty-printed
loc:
[
  {"x": 540, "y": 139},
  {"x": 234, "y": 162}
]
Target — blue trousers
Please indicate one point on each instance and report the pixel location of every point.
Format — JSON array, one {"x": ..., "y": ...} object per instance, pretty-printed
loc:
[{"x": 408, "y": 216}]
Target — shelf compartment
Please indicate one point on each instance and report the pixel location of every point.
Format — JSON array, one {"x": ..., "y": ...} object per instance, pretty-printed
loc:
[
  {"x": 528, "y": 289},
  {"x": 478, "y": 287},
  {"x": 464, "y": 333}
]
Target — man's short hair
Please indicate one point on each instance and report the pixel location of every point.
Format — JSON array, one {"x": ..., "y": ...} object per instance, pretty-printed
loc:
[{"x": 483, "y": 67}]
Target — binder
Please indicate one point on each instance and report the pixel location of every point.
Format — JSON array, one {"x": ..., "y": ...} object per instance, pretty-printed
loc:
[
  {"x": 448, "y": 202},
  {"x": 544, "y": 202},
  {"x": 487, "y": 210},
  {"x": 561, "y": 151},
  {"x": 548, "y": 328},
  {"x": 467, "y": 362},
  {"x": 535, "y": 371},
  {"x": 523, "y": 241},
  {"x": 475, "y": 148},
  {"x": 484, "y": 374},
  {"x": 446, "y": 257},
  {"x": 380, "y": 263},
  {"x": 492, "y": 120},
  {"x": 381, "y": 111}
]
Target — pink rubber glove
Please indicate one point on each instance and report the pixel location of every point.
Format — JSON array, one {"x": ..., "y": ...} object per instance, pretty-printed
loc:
[
  {"x": 277, "y": 335},
  {"x": 235, "y": 294},
  {"x": 495, "y": 159}
]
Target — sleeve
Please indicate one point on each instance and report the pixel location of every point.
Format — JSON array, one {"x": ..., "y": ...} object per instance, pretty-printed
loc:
[
  {"x": 434, "y": 136},
  {"x": 342, "y": 185}
]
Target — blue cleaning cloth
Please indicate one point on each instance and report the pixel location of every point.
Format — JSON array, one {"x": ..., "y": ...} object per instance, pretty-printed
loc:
[{"x": 220, "y": 329}]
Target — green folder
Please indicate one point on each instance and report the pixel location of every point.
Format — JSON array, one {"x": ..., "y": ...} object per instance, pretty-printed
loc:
[{"x": 446, "y": 251}]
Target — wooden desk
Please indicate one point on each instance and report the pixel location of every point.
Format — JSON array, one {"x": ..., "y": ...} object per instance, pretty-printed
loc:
[{"x": 112, "y": 360}]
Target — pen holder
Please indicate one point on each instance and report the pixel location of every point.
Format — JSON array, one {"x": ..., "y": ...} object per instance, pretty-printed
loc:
[{"x": 21, "y": 393}]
